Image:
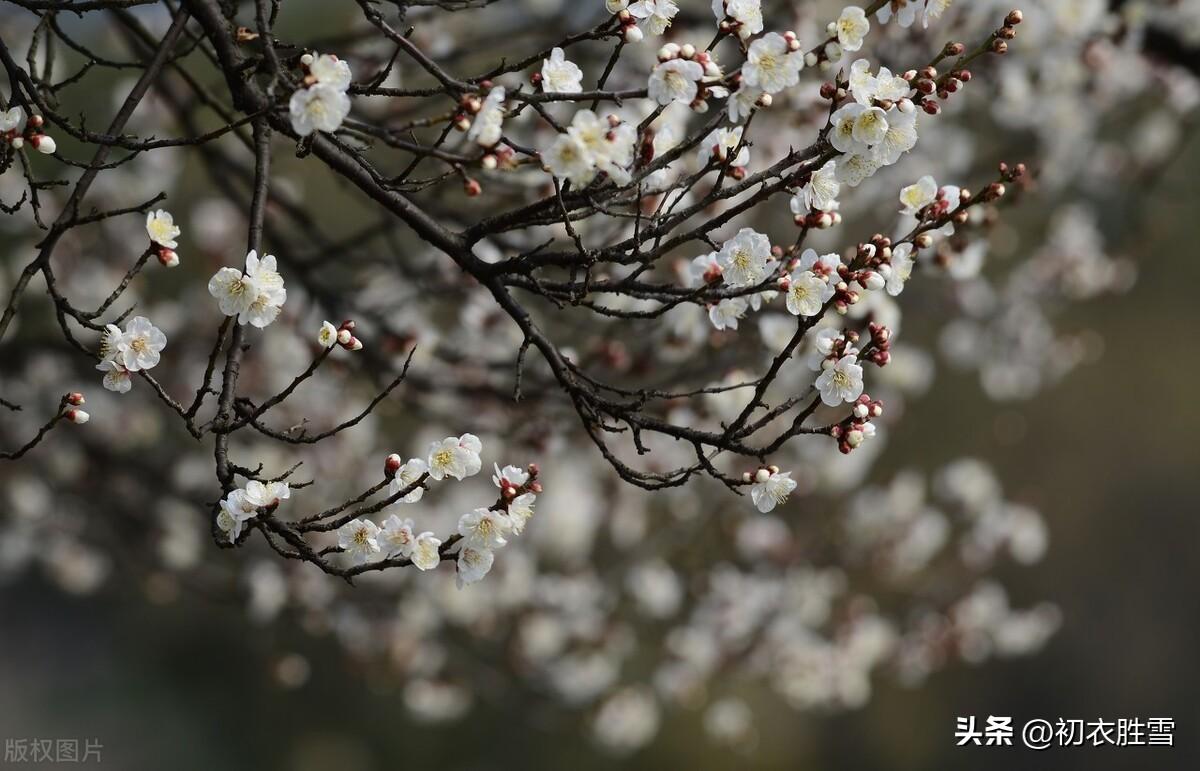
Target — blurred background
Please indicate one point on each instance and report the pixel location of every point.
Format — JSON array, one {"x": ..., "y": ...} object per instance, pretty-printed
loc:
[{"x": 173, "y": 675}]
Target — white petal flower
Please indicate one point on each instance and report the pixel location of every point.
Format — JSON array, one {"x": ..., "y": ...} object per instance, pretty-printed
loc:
[
  {"x": 900, "y": 268},
  {"x": 743, "y": 258},
  {"x": 568, "y": 158},
  {"x": 841, "y": 381},
  {"x": 328, "y": 335},
  {"x": 520, "y": 509},
  {"x": 771, "y": 489},
  {"x": 484, "y": 528},
  {"x": 318, "y": 108},
  {"x": 609, "y": 149},
  {"x": 820, "y": 192},
  {"x": 396, "y": 538},
  {"x": 13, "y": 120},
  {"x": 821, "y": 264},
  {"x": 675, "y": 81},
  {"x": 512, "y": 475},
  {"x": 841, "y": 135},
  {"x": 260, "y": 494},
  {"x": 425, "y": 554},
  {"x": 160, "y": 226},
  {"x": 140, "y": 345},
  {"x": 656, "y": 15},
  {"x": 743, "y": 102},
  {"x": 870, "y": 126},
  {"x": 560, "y": 75},
  {"x": 488, "y": 125},
  {"x": 116, "y": 377},
  {"x": 900, "y": 137},
  {"x": 807, "y": 293},
  {"x": 747, "y": 13},
  {"x": 853, "y": 168},
  {"x": 720, "y": 145},
  {"x": 725, "y": 314},
  {"x": 235, "y": 291},
  {"x": 457, "y": 457},
  {"x": 407, "y": 475},
  {"x": 235, "y": 511},
  {"x": 473, "y": 564},
  {"x": 852, "y": 27},
  {"x": 770, "y": 65},
  {"x": 906, "y": 12},
  {"x": 918, "y": 195},
  {"x": 331, "y": 71},
  {"x": 359, "y": 539}
]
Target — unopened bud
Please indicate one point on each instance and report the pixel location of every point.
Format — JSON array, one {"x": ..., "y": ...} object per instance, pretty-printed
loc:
[
  {"x": 392, "y": 464},
  {"x": 472, "y": 187},
  {"x": 1014, "y": 17},
  {"x": 78, "y": 417},
  {"x": 75, "y": 398},
  {"x": 762, "y": 475},
  {"x": 923, "y": 241},
  {"x": 931, "y": 107},
  {"x": 43, "y": 144},
  {"x": 168, "y": 258},
  {"x": 633, "y": 34},
  {"x": 344, "y": 337},
  {"x": 687, "y": 50},
  {"x": 999, "y": 46}
]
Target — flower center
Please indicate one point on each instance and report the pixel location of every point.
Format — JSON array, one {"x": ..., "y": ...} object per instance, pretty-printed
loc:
[{"x": 443, "y": 457}]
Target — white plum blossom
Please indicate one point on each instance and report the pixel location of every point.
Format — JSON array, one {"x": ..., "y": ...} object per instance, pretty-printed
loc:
[
  {"x": 905, "y": 11},
  {"x": 843, "y": 120},
  {"x": 900, "y": 137},
  {"x": 161, "y": 228},
  {"x": 853, "y": 168},
  {"x": 821, "y": 264},
  {"x": 822, "y": 347},
  {"x": 743, "y": 258},
  {"x": 807, "y": 293},
  {"x": 743, "y": 102},
  {"x": 771, "y": 488},
  {"x": 329, "y": 70},
  {"x": 675, "y": 81},
  {"x": 488, "y": 125},
  {"x": 747, "y": 13},
  {"x": 407, "y": 475},
  {"x": 918, "y": 195},
  {"x": 116, "y": 377},
  {"x": 560, "y": 75},
  {"x": 318, "y": 108},
  {"x": 870, "y": 126},
  {"x": 851, "y": 27},
  {"x": 841, "y": 381},
  {"x": 234, "y": 511},
  {"x": 456, "y": 457},
  {"x": 725, "y": 314},
  {"x": 359, "y": 539},
  {"x": 139, "y": 347},
  {"x": 396, "y": 538},
  {"x": 608, "y": 148},
  {"x": 899, "y": 269},
  {"x": 425, "y": 554},
  {"x": 770, "y": 65},
  {"x": 255, "y": 296},
  {"x": 655, "y": 15},
  {"x": 520, "y": 510},
  {"x": 12, "y": 120},
  {"x": 260, "y": 494},
  {"x": 720, "y": 144},
  {"x": 484, "y": 528},
  {"x": 568, "y": 158},
  {"x": 473, "y": 564},
  {"x": 510, "y": 476},
  {"x": 328, "y": 336},
  {"x": 820, "y": 192}
]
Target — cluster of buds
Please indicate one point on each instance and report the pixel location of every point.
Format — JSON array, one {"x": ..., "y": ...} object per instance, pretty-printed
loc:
[
  {"x": 761, "y": 474},
  {"x": 16, "y": 130},
  {"x": 834, "y": 348},
  {"x": 927, "y": 82},
  {"x": 712, "y": 73},
  {"x": 509, "y": 490},
  {"x": 857, "y": 428},
  {"x": 499, "y": 156},
  {"x": 471, "y": 104},
  {"x": 1012, "y": 173},
  {"x": 71, "y": 403},
  {"x": 881, "y": 344},
  {"x": 1001, "y": 36},
  {"x": 819, "y": 220},
  {"x": 346, "y": 338},
  {"x": 630, "y": 32}
]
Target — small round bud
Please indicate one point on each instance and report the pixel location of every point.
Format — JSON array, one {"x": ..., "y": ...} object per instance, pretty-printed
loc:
[
  {"x": 861, "y": 411},
  {"x": 168, "y": 258},
  {"x": 931, "y": 107},
  {"x": 307, "y": 59},
  {"x": 810, "y": 59},
  {"x": 79, "y": 417},
  {"x": 392, "y": 464},
  {"x": 489, "y": 162},
  {"x": 955, "y": 49},
  {"x": 923, "y": 241},
  {"x": 828, "y": 90},
  {"x": 999, "y": 46},
  {"x": 746, "y": 477},
  {"x": 773, "y": 469},
  {"x": 344, "y": 337},
  {"x": 17, "y": 142},
  {"x": 762, "y": 475},
  {"x": 472, "y": 187},
  {"x": 633, "y": 34},
  {"x": 765, "y": 100},
  {"x": 355, "y": 344},
  {"x": 687, "y": 51},
  {"x": 1014, "y": 18},
  {"x": 75, "y": 398},
  {"x": 43, "y": 144},
  {"x": 854, "y": 437}
]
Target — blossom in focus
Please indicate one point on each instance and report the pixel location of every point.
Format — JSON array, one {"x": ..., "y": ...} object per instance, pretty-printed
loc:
[
  {"x": 161, "y": 228},
  {"x": 140, "y": 345},
  {"x": 771, "y": 488},
  {"x": 841, "y": 381},
  {"x": 318, "y": 108},
  {"x": 771, "y": 65},
  {"x": 457, "y": 457},
  {"x": 425, "y": 554},
  {"x": 851, "y": 27},
  {"x": 807, "y": 293},
  {"x": 560, "y": 75},
  {"x": 484, "y": 528},
  {"x": 359, "y": 539},
  {"x": 743, "y": 258},
  {"x": 676, "y": 80}
]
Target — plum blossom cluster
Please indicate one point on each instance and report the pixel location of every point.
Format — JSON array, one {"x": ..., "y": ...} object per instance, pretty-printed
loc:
[
  {"x": 255, "y": 295},
  {"x": 480, "y": 532},
  {"x": 321, "y": 103},
  {"x": 136, "y": 348},
  {"x": 16, "y": 129}
]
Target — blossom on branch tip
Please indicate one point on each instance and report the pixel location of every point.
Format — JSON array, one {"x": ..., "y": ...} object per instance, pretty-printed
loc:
[
  {"x": 139, "y": 347},
  {"x": 851, "y": 27},
  {"x": 771, "y": 488},
  {"x": 841, "y": 381},
  {"x": 328, "y": 336},
  {"x": 457, "y": 457},
  {"x": 318, "y": 108}
]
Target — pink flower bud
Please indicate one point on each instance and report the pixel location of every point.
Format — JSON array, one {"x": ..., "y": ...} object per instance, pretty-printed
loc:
[
  {"x": 79, "y": 417},
  {"x": 392, "y": 464}
]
